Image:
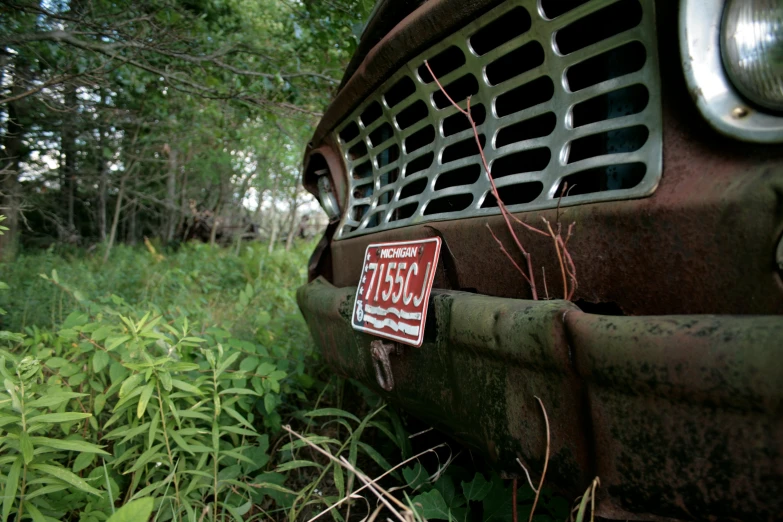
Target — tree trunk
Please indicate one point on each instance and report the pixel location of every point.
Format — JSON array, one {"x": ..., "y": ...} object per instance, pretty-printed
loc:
[
  {"x": 116, "y": 219},
  {"x": 292, "y": 231},
  {"x": 183, "y": 203},
  {"x": 69, "y": 151},
  {"x": 273, "y": 213},
  {"x": 171, "y": 194},
  {"x": 273, "y": 237},
  {"x": 103, "y": 168},
  {"x": 215, "y": 221},
  {"x": 9, "y": 170}
]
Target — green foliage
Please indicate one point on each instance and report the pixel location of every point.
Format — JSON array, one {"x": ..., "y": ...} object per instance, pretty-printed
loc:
[
  {"x": 152, "y": 394},
  {"x": 456, "y": 495}
]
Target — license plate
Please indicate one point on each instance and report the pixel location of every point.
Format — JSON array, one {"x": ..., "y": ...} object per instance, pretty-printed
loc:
[{"x": 391, "y": 300}]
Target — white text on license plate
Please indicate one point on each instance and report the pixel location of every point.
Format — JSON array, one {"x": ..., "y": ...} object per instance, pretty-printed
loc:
[{"x": 394, "y": 288}]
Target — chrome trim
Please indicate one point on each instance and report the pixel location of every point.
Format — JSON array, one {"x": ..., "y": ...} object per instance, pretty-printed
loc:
[
  {"x": 558, "y": 142},
  {"x": 779, "y": 254},
  {"x": 327, "y": 198},
  {"x": 717, "y": 99}
]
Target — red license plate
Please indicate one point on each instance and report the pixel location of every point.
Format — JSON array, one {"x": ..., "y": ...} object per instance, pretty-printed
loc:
[{"x": 391, "y": 300}]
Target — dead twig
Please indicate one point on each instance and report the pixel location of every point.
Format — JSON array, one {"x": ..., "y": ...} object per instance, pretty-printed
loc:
[
  {"x": 546, "y": 463},
  {"x": 530, "y": 276},
  {"x": 503, "y": 249},
  {"x": 377, "y": 490}
]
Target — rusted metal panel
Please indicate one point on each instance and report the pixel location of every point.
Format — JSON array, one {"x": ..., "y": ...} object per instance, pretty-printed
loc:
[
  {"x": 703, "y": 243},
  {"x": 686, "y": 413},
  {"x": 679, "y": 416}
]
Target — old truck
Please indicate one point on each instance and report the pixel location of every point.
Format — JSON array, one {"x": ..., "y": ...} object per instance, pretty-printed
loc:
[{"x": 647, "y": 320}]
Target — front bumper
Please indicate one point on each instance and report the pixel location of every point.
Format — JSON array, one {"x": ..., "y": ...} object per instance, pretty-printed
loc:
[{"x": 679, "y": 416}]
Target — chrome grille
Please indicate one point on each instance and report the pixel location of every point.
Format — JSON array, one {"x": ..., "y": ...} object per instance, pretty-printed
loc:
[{"x": 571, "y": 100}]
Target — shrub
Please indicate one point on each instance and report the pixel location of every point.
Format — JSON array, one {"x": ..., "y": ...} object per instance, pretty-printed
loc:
[{"x": 169, "y": 392}]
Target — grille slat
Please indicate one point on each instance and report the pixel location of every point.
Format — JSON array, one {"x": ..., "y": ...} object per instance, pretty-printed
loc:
[
  {"x": 580, "y": 12},
  {"x": 601, "y": 47},
  {"x": 531, "y": 163}
]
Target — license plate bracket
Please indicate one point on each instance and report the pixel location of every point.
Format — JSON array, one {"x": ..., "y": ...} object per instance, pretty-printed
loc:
[{"x": 394, "y": 289}]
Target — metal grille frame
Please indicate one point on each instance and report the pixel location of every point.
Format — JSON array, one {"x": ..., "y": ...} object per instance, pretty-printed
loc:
[{"x": 384, "y": 200}]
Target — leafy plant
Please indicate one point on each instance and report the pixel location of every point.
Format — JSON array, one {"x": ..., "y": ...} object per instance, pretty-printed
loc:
[{"x": 115, "y": 405}]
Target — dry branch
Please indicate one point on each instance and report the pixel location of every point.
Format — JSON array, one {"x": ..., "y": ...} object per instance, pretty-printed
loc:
[{"x": 567, "y": 266}]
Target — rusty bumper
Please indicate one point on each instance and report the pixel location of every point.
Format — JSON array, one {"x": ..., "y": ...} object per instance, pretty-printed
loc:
[{"x": 680, "y": 416}]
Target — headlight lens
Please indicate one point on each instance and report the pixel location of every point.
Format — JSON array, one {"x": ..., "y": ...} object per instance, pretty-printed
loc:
[
  {"x": 327, "y": 198},
  {"x": 752, "y": 48}
]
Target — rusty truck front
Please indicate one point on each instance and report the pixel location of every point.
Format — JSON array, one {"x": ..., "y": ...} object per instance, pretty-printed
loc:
[{"x": 607, "y": 238}]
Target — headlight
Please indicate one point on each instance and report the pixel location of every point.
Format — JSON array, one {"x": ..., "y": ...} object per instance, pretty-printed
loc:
[
  {"x": 732, "y": 57},
  {"x": 327, "y": 198},
  {"x": 752, "y": 48}
]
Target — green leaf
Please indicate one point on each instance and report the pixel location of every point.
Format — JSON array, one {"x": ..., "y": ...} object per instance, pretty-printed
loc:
[
  {"x": 45, "y": 490},
  {"x": 296, "y": 464},
  {"x": 269, "y": 403},
  {"x": 77, "y": 379},
  {"x": 36, "y": 515},
  {"x": 445, "y": 484},
  {"x": 11, "y": 483},
  {"x": 53, "y": 418},
  {"x": 477, "y": 489},
  {"x": 153, "y": 431},
  {"x": 26, "y": 447},
  {"x": 238, "y": 391},
  {"x": 82, "y": 461},
  {"x": 130, "y": 384},
  {"x": 416, "y": 476},
  {"x": 114, "y": 342},
  {"x": 181, "y": 385},
  {"x": 239, "y": 431},
  {"x": 145, "y": 398},
  {"x": 100, "y": 360},
  {"x": 66, "y": 476},
  {"x": 117, "y": 371},
  {"x": 100, "y": 402},
  {"x": 55, "y": 362},
  {"x": 144, "y": 458},
  {"x": 332, "y": 412},
  {"x": 277, "y": 375},
  {"x": 265, "y": 369},
  {"x": 165, "y": 380},
  {"x": 52, "y": 400},
  {"x": 431, "y": 506},
  {"x": 134, "y": 511},
  {"x": 374, "y": 455},
  {"x": 10, "y": 419},
  {"x": 248, "y": 364},
  {"x": 228, "y": 362},
  {"x": 101, "y": 333},
  {"x": 75, "y": 319},
  {"x": 180, "y": 441},
  {"x": 311, "y": 439},
  {"x": 68, "y": 445},
  {"x": 239, "y": 418},
  {"x": 339, "y": 479},
  {"x": 497, "y": 503}
]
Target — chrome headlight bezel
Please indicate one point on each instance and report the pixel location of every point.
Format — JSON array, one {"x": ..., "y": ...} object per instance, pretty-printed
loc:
[
  {"x": 717, "y": 98},
  {"x": 327, "y": 198}
]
